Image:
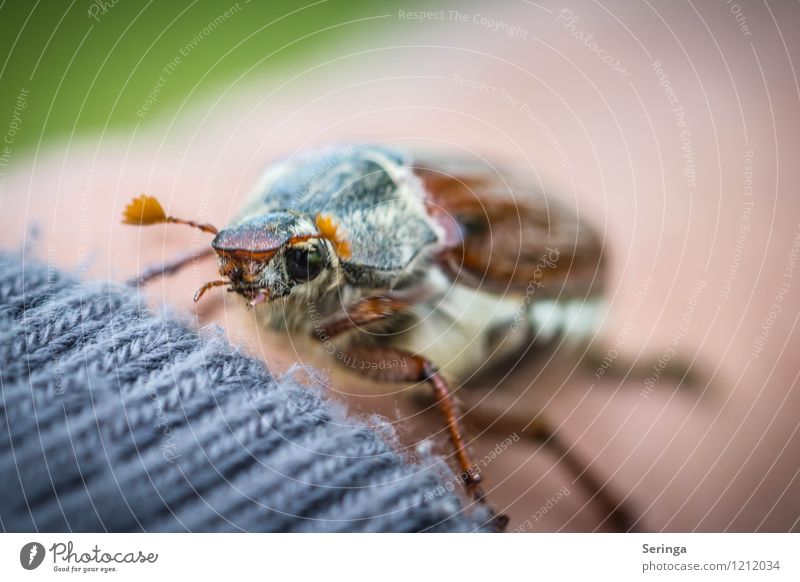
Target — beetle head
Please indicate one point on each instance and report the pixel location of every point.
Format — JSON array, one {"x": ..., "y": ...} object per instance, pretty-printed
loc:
[
  {"x": 265, "y": 257},
  {"x": 262, "y": 257}
]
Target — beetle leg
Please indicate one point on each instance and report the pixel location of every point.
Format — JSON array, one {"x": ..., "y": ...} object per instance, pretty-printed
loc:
[
  {"x": 168, "y": 268},
  {"x": 447, "y": 406},
  {"x": 206, "y": 286},
  {"x": 362, "y": 312},
  {"x": 376, "y": 308},
  {"x": 416, "y": 368}
]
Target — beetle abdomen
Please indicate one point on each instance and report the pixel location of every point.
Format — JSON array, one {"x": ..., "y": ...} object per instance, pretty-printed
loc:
[{"x": 466, "y": 329}]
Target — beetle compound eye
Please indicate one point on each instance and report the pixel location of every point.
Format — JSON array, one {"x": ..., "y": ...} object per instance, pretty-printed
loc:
[{"x": 303, "y": 264}]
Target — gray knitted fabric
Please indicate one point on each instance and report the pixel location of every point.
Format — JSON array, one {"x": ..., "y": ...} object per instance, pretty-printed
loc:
[{"x": 114, "y": 419}]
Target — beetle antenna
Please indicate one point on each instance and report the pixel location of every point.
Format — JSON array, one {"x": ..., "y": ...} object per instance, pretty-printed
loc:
[
  {"x": 170, "y": 267},
  {"x": 205, "y": 227},
  {"x": 146, "y": 210},
  {"x": 206, "y": 286}
]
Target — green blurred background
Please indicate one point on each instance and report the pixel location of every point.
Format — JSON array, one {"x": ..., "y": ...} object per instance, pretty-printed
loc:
[{"x": 91, "y": 65}]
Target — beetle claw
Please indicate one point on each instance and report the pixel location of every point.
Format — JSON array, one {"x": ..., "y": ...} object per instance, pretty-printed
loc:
[{"x": 206, "y": 286}]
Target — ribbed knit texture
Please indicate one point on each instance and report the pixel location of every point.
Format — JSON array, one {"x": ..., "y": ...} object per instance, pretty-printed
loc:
[{"x": 114, "y": 419}]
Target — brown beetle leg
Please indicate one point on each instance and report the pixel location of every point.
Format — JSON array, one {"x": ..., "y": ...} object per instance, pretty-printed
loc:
[
  {"x": 168, "y": 268},
  {"x": 362, "y": 312},
  {"x": 206, "y": 286},
  {"x": 416, "y": 369},
  {"x": 506, "y": 419},
  {"x": 447, "y": 406},
  {"x": 419, "y": 369}
]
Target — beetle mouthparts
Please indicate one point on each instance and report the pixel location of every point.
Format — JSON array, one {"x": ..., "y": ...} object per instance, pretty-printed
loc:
[{"x": 260, "y": 297}]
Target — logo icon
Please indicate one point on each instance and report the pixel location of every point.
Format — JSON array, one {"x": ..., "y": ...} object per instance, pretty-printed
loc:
[{"x": 31, "y": 555}]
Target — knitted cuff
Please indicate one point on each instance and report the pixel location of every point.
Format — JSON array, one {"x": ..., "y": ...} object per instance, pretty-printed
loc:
[{"x": 116, "y": 419}]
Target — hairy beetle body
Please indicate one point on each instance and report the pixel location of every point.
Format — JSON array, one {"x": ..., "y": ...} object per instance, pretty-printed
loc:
[{"x": 398, "y": 235}]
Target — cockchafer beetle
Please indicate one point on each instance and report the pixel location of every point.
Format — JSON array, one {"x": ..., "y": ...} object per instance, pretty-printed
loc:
[{"x": 441, "y": 262}]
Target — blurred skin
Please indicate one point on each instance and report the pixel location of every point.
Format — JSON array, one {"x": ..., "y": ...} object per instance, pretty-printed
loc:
[{"x": 717, "y": 452}]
